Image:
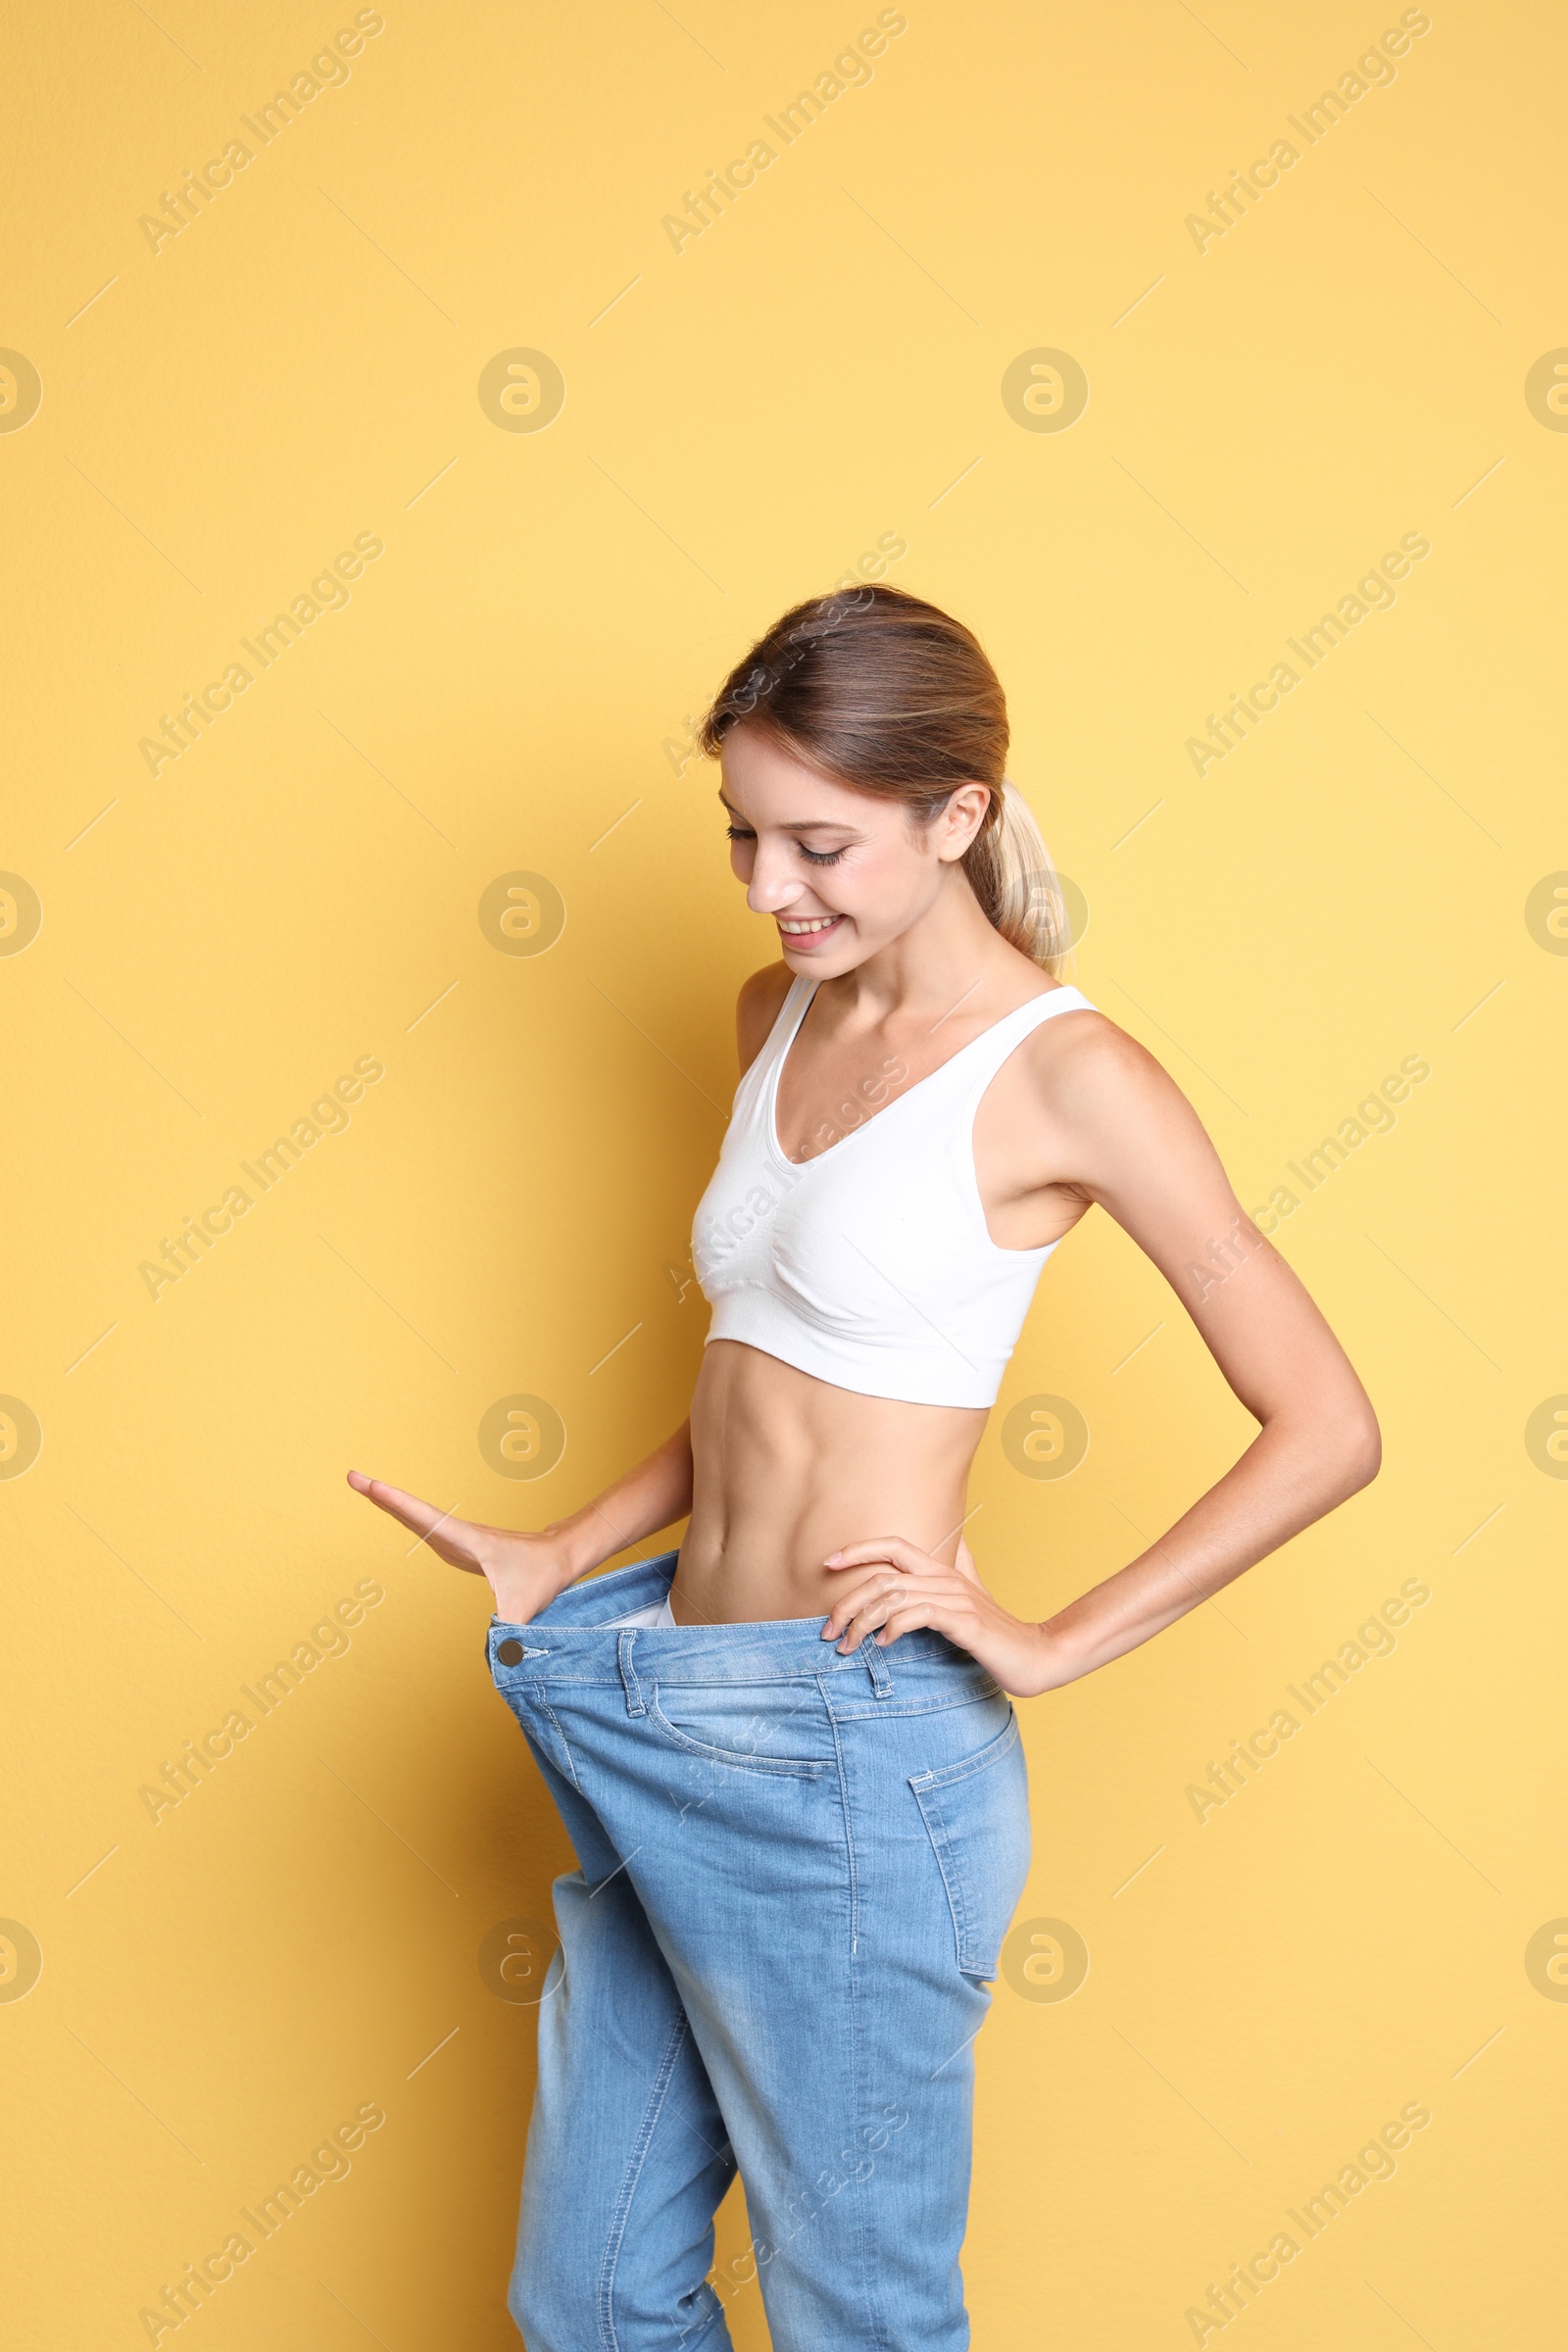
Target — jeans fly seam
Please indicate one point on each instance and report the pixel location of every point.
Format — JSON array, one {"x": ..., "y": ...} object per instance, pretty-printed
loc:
[
  {"x": 645, "y": 2137},
  {"x": 857, "y": 2037},
  {"x": 545, "y": 1708},
  {"x": 848, "y": 1842}
]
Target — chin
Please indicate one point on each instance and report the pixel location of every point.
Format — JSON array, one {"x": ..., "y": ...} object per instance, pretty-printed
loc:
[{"x": 826, "y": 963}]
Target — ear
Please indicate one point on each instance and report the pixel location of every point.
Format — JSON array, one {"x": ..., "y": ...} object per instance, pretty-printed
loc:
[{"x": 960, "y": 821}]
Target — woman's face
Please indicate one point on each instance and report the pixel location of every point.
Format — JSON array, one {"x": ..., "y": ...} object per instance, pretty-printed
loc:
[{"x": 841, "y": 872}]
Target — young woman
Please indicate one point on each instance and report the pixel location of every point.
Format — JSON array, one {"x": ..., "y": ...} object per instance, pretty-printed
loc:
[{"x": 785, "y": 1754}]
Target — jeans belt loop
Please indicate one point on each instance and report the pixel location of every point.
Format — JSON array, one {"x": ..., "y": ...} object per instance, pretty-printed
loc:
[
  {"x": 875, "y": 1662},
  {"x": 635, "y": 1702}
]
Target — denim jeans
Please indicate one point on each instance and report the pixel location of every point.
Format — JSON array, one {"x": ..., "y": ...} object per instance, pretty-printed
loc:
[{"x": 796, "y": 1870}]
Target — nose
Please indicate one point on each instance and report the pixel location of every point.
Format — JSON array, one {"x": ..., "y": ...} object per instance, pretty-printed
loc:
[{"x": 772, "y": 886}]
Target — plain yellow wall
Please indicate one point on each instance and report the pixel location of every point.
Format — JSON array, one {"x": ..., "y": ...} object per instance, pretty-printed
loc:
[{"x": 195, "y": 425}]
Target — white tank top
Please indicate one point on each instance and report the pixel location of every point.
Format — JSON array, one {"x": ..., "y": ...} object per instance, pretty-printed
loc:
[{"x": 871, "y": 1266}]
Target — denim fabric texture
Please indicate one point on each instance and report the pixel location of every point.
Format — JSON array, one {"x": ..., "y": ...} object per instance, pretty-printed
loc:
[{"x": 796, "y": 1870}]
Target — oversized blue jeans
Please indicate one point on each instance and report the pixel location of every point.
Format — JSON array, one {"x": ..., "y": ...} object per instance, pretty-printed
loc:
[{"x": 796, "y": 1870}]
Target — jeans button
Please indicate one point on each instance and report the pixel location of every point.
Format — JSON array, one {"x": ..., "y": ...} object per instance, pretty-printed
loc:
[{"x": 510, "y": 1653}]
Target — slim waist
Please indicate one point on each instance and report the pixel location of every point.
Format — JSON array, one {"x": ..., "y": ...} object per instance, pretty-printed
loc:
[{"x": 575, "y": 1637}]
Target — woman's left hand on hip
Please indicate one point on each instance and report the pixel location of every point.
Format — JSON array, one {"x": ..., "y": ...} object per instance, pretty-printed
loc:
[{"x": 900, "y": 1587}]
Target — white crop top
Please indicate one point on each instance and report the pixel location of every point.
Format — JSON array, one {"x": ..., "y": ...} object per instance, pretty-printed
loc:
[{"x": 871, "y": 1266}]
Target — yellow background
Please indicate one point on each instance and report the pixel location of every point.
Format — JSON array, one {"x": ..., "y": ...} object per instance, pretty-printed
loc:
[{"x": 741, "y": 422}]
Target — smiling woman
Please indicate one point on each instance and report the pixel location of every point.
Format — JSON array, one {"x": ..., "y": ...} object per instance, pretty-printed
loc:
[{"x": 786, "y": 1753}]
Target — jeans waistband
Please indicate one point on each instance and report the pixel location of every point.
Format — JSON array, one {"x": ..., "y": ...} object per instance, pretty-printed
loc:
[{"x": 573, "y": 1634}]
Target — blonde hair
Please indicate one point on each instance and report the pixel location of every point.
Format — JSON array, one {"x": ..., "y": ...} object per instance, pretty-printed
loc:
[
  {"x": 1011, "y": 875},
  {"x": 892, "y": 696}
]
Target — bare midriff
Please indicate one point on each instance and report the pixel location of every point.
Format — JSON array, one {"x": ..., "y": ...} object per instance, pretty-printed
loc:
[{"x": 787, "y": 1468}]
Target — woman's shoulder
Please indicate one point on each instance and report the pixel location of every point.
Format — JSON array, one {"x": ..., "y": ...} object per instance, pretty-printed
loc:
[
  {"x": 1088, "y": 1073},
  {"x": 758, "y": 1007},
  {"x": 1090, "y": 1046}
]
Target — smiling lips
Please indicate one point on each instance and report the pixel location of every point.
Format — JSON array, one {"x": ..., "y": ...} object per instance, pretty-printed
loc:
[{"x": 801, "y": 931}]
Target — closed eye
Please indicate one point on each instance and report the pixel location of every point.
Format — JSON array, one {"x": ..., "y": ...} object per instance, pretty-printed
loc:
[{"x": 811, "y": 856}]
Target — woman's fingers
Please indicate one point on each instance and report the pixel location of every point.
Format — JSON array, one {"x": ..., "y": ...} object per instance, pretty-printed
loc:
[
  {"x": 910, "y": 1621},
  {"x": 902, "y": 1564},
  {"x": 861, "y": 1612},
  {"x": 421, "y": 1518},
  {"x": 846, "y": 1605},
  {"x": 897, "y": 1550}
]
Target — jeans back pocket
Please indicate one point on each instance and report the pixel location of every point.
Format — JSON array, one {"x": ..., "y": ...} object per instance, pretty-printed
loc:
[{"x": 976, "y": 1813}]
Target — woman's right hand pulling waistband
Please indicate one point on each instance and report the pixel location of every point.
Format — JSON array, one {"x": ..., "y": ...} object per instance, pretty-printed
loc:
[
  {"x": 524, "y": 1572},
  {"x": 525, "y": 1569}
]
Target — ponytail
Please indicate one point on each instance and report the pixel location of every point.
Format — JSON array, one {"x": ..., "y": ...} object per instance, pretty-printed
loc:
[{"x": 1021, "y": 894}]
